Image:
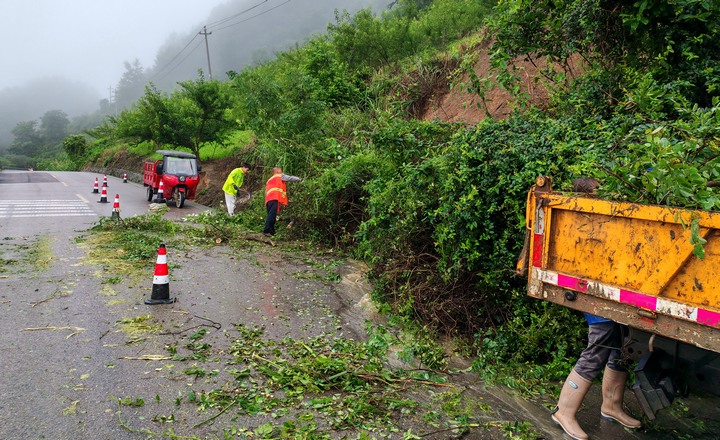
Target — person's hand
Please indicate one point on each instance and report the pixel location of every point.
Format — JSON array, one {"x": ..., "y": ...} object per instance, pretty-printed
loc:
[{"x": 237, "y": 188}]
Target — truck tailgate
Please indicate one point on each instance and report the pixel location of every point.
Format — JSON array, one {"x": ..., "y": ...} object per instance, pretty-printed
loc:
[{"x": 632, "y": 263}]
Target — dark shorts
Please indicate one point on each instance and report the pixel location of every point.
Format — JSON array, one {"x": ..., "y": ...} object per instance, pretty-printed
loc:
[{"x": 605, "y": 341}]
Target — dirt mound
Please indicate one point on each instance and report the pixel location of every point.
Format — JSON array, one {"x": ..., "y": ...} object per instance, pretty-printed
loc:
[
  {"x": 212, "y": 178},
  {"x": 452, "y": 102}
]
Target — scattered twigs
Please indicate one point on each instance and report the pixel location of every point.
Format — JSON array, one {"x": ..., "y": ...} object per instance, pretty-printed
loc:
[
  {"x": 213, "y": 324},
  {"x": 146, "y": 357},
  {"x": 48, "y": 298},
  {"x": 75, "y": 330},
  {"x": 231, "y": 404}
]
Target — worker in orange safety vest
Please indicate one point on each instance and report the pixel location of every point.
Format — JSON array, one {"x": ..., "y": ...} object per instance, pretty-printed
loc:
[{"x": 276, "y": 195}]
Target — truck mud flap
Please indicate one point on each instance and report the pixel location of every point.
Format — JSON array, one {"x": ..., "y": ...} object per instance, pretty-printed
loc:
[{"x": 653, "y": 389}]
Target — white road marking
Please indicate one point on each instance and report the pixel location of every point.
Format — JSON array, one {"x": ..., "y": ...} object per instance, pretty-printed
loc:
[{"x": 44, "y": 208}]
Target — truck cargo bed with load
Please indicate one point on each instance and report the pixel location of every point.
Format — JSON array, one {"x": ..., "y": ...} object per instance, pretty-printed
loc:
[
  {"x": 639, "y": 265},
  {"x": 178, "y": 172}
]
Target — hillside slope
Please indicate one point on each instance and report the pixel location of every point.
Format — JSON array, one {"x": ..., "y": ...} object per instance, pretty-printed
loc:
[
  {"x": 448, "y": 101},
  {"x": 445, "y": 101}
]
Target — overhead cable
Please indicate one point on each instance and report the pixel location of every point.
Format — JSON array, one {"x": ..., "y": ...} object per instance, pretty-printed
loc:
[
  {"x": 199, "y": 43},
  {"x": 212, "y": 27},
  {"x": 250, "y": 18},
  {"x": 174, "y": 58},
  {"x": 215, "y": 23}
]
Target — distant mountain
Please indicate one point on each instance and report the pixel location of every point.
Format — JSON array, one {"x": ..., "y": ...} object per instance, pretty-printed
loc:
[
  {"x": 240, "y": 33},
  {"x": 244, "y": 32},
  {"x": 30, "y": 101}
]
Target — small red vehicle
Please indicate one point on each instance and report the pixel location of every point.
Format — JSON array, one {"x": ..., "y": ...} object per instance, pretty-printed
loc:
[{"x": 179, "y": 173}]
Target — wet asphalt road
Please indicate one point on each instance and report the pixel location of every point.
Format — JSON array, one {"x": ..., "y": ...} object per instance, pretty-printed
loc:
[{"x": 65, "y": 361}]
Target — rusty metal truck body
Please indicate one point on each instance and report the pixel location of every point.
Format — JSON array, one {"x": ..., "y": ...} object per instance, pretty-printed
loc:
[{"x": 634, "y": 264}]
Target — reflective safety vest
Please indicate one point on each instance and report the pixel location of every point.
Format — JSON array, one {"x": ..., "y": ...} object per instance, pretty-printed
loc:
[
  {"x": 236, "y": 177},
  {"x": 275, "y": 189}
]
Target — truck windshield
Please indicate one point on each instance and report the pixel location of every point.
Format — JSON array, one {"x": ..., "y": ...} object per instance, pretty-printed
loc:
[{"x": 180, "y": 166}]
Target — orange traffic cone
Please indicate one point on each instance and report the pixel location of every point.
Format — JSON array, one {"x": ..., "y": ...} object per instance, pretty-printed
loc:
[
  {"x": 160, "y": 197},
  {"x": 124, "y": 177},
  {"x": 116, "y": 207},
  {"x": 95, "y": 186},
  {"x": 103, "y": 195},
  {"x": 105, "y": 180},
  {"x": 161, "y": 280}
]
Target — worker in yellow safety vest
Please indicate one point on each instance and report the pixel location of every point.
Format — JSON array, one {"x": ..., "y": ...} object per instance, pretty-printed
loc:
[
  {"x": 232, "y": 185},
  {"x": 276, "y": 195}
]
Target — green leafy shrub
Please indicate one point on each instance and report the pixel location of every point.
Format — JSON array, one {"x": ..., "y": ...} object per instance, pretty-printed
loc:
[{"x": 539, "y": 343}]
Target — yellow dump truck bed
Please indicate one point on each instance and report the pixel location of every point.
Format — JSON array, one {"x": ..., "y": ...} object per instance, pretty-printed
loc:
[{"x": 632, "y": 263}]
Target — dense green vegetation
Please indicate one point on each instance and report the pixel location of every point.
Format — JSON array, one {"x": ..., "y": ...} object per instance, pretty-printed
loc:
[{"x": 438, "y": 208}]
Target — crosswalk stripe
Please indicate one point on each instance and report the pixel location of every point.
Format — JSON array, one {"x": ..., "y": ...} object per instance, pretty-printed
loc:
[{"x": 44, "y": 208}]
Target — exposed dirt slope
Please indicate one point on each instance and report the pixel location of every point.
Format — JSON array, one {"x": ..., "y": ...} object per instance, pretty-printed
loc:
[{"x": 453, "y": 103}]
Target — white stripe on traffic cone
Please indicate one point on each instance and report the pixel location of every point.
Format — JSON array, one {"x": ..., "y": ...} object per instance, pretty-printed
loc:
[{"x": 161, "y": 280}]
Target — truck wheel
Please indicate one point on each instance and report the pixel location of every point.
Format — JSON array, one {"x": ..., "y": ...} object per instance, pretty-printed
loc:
[
  {"x": 149, "y": 193},
  {"x": 179, "y": 199}
]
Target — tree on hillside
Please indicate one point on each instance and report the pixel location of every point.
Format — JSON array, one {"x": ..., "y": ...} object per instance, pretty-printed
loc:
[
  {"x": 188, "y": 117},
  {"x": 54, "y": 126},
  {"x": 675, "y": 42},
  {"x": 201, "y": 112},
  {"x": 131, "y": 85},
  {"x": 76, "y": 147},
  {"x": 149, "y": 120},
  {"x": 28, "y": 140}
]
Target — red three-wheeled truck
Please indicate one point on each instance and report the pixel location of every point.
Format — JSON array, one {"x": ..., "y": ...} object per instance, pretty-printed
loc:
[{"x": 178, "y": 172}]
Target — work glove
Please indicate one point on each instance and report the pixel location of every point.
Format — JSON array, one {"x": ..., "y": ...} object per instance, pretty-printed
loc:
[{"x": 237, "y": 189}]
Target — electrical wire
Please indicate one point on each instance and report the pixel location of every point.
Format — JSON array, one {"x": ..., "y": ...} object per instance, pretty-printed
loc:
[
  {"x": 209, "y": 28},
  {"x": 254, "y": 16},
  {"x": 199, "y": 43},
  {"x": 224, "y": 20},
  {"x": 173, "y": 59}
]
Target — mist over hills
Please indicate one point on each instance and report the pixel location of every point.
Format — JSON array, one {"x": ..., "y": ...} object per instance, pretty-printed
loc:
[
  {"x": 30, "y": 101},
  {"x": 240, "y": 33},
  {"x": 240, "y": 39}
]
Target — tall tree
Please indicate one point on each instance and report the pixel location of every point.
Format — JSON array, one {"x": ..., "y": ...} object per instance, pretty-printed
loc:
[
  {"x": 202, "y": 113},
  {"x": 191, "y": 115},
  {"x": 131, "y": 85},
  {"x": 53, "y": 126},
  {"x": 28, "y": 140}
]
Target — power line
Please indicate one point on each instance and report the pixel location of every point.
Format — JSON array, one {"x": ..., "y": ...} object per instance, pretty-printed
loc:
[
  {"x": 180, "y": 62},
  {"x": 207, "y": 49},
  {"x": 254, "y": 16},
  {"x": 205, "y": 32},
  {"x": 215, "y": 23},
  {"x": 174, "y": 58}
]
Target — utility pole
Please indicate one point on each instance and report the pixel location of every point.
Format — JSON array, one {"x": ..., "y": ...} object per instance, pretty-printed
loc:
[
  {"x": 113, "y": 98},
  {"x": 207, "y": 49}
]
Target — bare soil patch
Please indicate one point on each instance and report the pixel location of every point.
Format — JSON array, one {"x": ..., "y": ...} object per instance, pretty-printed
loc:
[{"x": 451, "y": 101}]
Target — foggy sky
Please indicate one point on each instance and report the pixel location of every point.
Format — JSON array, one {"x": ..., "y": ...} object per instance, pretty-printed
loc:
[
  {"x": 89, "y": 40},
  {"x": 69, "y": 55}
]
